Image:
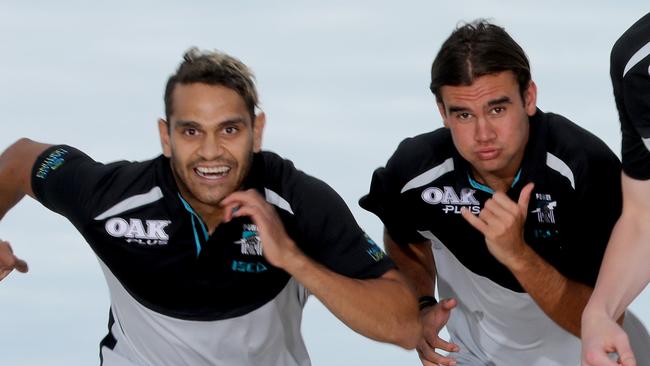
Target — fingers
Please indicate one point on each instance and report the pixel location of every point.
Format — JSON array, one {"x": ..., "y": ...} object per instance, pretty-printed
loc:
[
  {"x": 501, "y": 204},
  {"x": 440, "y": 343},
  {"x": 229, "y": 210},
  {"x": 9, "y": 262},
  {"x": 242, "y": 197},
  {"x": 430, "y": 357},
  {"x": 4, "y": 273},
  {"x": 597, "y": 358},
  {"x": 625, "y": 355},
  {"x": 473, "y": 220},
  {"x": 236, "y": 201},
  {"x": 256, "y": 214},
  {"x": 627, "y": 361},
  {"x": 524, "y": 198}
]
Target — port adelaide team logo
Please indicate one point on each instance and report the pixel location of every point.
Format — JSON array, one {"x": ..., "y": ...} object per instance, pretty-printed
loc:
[
  {"x": 545, "y": 210},
  {"x": 250, "y": 243}
]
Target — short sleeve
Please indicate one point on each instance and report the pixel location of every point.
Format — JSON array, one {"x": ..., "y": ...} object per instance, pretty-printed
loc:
[
  {"x": 332, "y": 235},
  {"x": 386, "y": 200},
  {"x": 630, "y": 74},
  {"x": 317, "y": 218},
  {"x": 636, "y": 106},
  {"x": 67, "y": 181}
]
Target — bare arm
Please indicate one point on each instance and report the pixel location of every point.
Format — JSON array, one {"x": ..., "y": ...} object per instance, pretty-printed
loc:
[
  {"x": 628, "y": 248},
  {"x": 502, "y": 223},
  {"x": 15, "y": 172},
  {"x": 562, "y": 299},
  {"x": 416, "y": 262},
  {"x": 383, "y": 309},
  {"x": 15, "y": 182},
  {"x": 623, "y": 275}
]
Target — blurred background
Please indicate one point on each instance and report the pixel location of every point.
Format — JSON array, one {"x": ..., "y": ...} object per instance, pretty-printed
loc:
[{"x": 342, "y": 84}]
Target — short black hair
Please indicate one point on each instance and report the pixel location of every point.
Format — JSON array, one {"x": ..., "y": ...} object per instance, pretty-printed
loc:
[
  {"x": 476, "y": 49},
  {"x": 213, "y": 68}
]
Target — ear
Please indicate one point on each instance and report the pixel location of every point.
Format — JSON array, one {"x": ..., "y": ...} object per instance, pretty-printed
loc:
[
  {"x": 165, "y": 131},
  {"x": 443, "y": 113},
  {"x": 530, "y": 99},
  {"x": 258, "y": 129}
]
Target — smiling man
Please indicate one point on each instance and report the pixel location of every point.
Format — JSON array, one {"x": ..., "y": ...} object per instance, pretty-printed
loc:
[
  {"x": 211, "y": 249},
  {"x": 508, "y": 207}
]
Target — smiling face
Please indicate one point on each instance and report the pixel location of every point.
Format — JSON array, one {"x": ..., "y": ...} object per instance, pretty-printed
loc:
[
  {"x": 210, "y": 139},
  {"x": 489, "y": 124}
]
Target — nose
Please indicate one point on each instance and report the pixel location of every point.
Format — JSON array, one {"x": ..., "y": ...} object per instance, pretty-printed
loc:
[
  {"x": 210, "y": 148},
  {"x": 484, "y": 130}
]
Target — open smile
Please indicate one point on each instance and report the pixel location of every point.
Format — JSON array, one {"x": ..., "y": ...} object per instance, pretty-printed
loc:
[{"x": 212, "y": 173}]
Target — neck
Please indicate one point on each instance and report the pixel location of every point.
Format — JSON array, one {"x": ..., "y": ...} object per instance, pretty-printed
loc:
[
  {"x": 211, "y": 216},
  {"x": 496, "y": 182}
]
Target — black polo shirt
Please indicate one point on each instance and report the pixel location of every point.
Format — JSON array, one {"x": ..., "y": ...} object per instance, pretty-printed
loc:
[
  {"x": 177, "y": 292},
  {"x": 573, "y": 207},
  {"x": 630, "y": 73}
]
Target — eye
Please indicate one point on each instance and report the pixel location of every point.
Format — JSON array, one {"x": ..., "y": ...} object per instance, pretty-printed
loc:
[
  {"x": 190, "y": 132},
  {"x": 497, "y": 110},
  {"x": 463, "y": 116},
  {"x": 230, "y": 130}
]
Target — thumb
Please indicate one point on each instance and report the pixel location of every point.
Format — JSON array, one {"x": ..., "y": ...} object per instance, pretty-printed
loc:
[
  {"x": 21, "y": 266},
  {"x": 448, "y": 304},
  {"x": 625, "y": 355},
  {"x": 524, "y": 198}
]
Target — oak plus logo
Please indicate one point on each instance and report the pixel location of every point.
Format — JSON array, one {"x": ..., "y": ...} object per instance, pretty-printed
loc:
[
  {"x": 450, "y": 201},
  {"x": 149, "y": 232}
]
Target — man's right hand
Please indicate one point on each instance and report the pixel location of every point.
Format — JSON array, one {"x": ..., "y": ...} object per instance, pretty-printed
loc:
[
  {"x": 433, "y": 318},
  {"x": 602, "y": 336},
  {"x": 9, "y": 262}
]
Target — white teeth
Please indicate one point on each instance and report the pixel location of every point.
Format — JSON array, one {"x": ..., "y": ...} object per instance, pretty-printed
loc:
[{"x": 212, "y": 172}]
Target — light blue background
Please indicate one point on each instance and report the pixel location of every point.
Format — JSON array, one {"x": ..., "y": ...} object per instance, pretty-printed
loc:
[{"x": 342, "y": 83}]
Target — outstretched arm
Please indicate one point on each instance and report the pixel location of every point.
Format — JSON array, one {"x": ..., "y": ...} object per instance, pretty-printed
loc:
[
  {"x": 623, "y": 275},
  {"x": 383, "y": 309},
  {"x": 15, "y": 182}
]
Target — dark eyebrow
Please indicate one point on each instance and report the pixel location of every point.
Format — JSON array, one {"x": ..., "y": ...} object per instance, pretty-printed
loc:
[
  {"x": 196, "y": 125},
  {"x": 187, "y": 124},
  {"x": 233, "y": 121},
  {"x": 453, "y": 109},
  {"x": 502, "y": 100}
]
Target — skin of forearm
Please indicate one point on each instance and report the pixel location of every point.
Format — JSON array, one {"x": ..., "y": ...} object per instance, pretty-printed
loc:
[
  {"x": 383, "y": 309},
  {"x": 10, "y": 179},
  {"x": 416, "y": 262},
  {"x": 625, "y": 271},
  {"x": 562, "y": 299}
]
